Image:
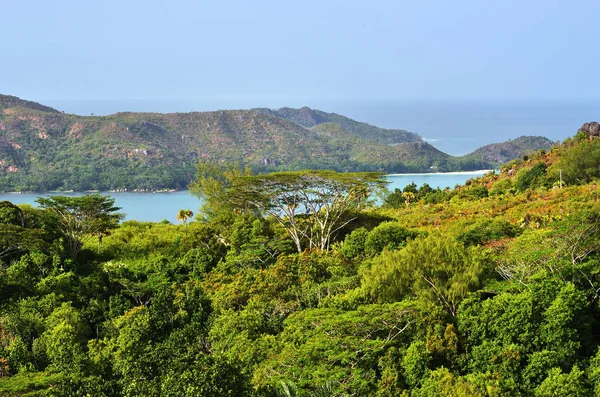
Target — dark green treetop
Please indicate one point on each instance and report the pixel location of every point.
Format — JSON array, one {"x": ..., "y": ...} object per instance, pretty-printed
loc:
[{"x": 81, "y": 218}]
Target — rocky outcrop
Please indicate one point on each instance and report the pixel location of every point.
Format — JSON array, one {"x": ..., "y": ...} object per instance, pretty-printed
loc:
[
  {"x": 304, "y": 116},
  {"x": 591, "y": 129}
]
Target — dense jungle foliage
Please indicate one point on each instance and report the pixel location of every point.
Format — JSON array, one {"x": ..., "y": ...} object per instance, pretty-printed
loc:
[{"x": 488, "y": 289}]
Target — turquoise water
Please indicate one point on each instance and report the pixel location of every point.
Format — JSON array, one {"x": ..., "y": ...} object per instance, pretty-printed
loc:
[
  {"x": 441, "y": 180},
  {"x": 150, "y": 207},
  {"x": 154, "y": 207}
]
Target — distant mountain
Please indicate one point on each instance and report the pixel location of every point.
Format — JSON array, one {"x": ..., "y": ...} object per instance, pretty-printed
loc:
[
  {"x": 9, "y": 101},
  {"x": 499, "y": 153},
  {"x": 43, "y": 149},
  {"x": 310, "y": 118}
]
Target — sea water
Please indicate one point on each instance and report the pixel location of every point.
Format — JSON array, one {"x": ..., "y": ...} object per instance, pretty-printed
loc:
[{"x": 155, "y": 207}]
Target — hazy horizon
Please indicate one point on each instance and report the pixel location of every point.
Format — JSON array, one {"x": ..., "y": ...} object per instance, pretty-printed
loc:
[
  {"x": 460, "y": 74},
  {"x": 336, "y": 49}
]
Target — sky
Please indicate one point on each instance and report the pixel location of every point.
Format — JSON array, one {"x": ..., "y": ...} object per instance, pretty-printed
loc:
[{"x": 283, "y": 50}]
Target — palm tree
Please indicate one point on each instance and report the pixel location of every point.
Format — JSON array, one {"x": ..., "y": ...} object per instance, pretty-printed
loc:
[
  {"x": 184, "y": 215},
  {"x": 408, "y": 196}
]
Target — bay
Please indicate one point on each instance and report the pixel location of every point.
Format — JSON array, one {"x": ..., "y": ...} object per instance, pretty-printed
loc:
[
  {"x": 155, "y": 207},
  {"x": 144, "y": 207},
  {"x": 435, "y": 180}
]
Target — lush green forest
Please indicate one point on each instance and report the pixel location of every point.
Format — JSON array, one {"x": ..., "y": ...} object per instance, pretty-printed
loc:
[{"x": 298, "y": 284}]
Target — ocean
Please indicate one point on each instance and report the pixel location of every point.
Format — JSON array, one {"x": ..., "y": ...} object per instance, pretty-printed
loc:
[{"x": 155, "y": 207}]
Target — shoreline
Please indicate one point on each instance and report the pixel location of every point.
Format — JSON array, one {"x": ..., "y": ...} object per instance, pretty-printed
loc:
[
  {"x": 478, "y": 172},
  {"x": 142, "y": 191},
  {"x": 59, "y": 192}
]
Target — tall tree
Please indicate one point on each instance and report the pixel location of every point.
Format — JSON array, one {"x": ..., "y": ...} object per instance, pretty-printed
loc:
[
  {"x": 81, "y": 218},
  {"x": 211, "y": 182},
  {"x": 312, "y": 206},
  {"x": 17, "y": 240},
  {"x": 10, "y": 214},
  {"x": 435, "y": 267}
]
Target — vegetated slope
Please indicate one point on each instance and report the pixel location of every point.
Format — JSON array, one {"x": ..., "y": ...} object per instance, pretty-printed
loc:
[
  {"x": 51, "y": 150},
  {"x": 9, "y": 101},
  {"x": 43, "y": 149},
  {"x": 500, "y": 153},
  {"x": 309, "y": 118},
  {"x": 575, "y": 161},
  {"x": 416, "y": 154},
  {"x": 452, "y": 292}
]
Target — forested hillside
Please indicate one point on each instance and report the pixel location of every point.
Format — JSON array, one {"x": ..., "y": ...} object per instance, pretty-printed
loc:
[
  {"x": 500, "y": 153},
  {"x": 296, "y": 284},
  {"x": 42, "y": 149},
  {"x": 312, "y": 118}
]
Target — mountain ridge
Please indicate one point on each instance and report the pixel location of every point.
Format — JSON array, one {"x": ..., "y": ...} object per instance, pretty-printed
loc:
[
  {"x": 10, "y": 101},
  {"x": 502, "y": 152},
  {"x": 311, "y": 118},
  {"x": 43, "y": 149}
]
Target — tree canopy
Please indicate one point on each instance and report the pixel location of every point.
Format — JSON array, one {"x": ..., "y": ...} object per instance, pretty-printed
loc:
[
  {"x": 312, "y": 206},
  {"x": 458, "y": 293},
  {"x": 81, "y": 218},
  {"x": 211, "y": 183}
]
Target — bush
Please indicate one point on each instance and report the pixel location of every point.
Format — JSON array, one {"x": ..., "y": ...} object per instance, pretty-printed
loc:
[
  {"x": 438, "y": 196},
  {"x": 474, "y": 192},
  {"x": 198, "y": 261},
  {"x": 488, "y": 230},
  {"x": 503, "y": 186},
  {"x": 531, "y": 178},
  {"x": 580, "y": 163},
  {"x": 354, "y": 243},
  {"x": 388, "y": 235}
]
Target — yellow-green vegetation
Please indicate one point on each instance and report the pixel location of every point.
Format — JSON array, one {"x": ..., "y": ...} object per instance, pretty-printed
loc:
[
  {"x": 29, "y": 384},
  {"x": 489, "y": 289}
]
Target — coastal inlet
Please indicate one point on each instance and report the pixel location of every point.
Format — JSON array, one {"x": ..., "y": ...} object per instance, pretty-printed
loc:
[{"x": 157, "y": 206}]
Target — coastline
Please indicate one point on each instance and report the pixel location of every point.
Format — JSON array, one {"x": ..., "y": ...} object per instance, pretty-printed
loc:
[
  {"x": 167, "y": 190},
  {"x": 143, "y": 191},
  {"x": 478, "y": 172},
  {"x": 155, "y": 206},
  {"x": 59, "y": 192}
]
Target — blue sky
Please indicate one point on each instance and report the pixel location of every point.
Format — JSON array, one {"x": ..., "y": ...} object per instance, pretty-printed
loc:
[{"x": 303, "y": 49}]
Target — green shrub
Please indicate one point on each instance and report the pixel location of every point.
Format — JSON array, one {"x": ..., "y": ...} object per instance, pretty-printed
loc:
[
  {"x": 388, "y": 235},
  {"x": 354, "y": 243},
  {"x": 580, "y": 163},
  {"x": 531, "y": 178},
  {"x": 488, "y": 230},
  {"x": 473, "y": 192},
  {"x": 503, "y": 186}
]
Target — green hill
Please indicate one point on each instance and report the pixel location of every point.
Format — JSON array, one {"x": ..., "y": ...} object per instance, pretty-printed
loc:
[
  {"x": 42, "y": 149},
  {"x": 9, "y": 101},
  {"x": 309, "y": 118},
  {"x": 500, "y": 153}
]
